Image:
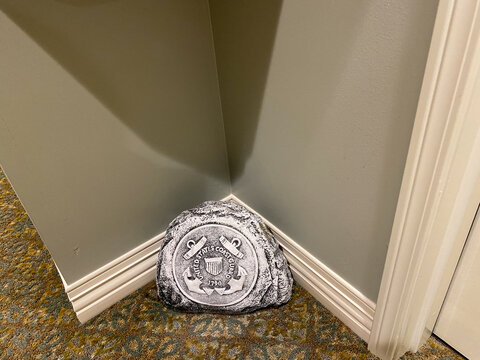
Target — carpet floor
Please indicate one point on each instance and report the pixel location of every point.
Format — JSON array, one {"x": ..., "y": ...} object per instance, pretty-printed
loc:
[{"x": 38, "y": 322}]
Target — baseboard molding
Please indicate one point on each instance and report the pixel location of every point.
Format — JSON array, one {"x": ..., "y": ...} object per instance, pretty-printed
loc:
[
  {"x": 344, "y": 301},
  {"x": 112, "y": 282},
  {"x": 104, "y": 287}
]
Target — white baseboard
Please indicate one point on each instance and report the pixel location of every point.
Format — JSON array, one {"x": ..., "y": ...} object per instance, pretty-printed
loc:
[
  {"x": 344, "y": 301},
  {"x": 102, "y": 288},
  {"x": 112, "y": 282}
]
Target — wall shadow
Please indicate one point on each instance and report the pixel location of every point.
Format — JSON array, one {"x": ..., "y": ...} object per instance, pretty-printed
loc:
[
  {"x": 149, "y": 62},
  {"x": 244, "y": 35}
]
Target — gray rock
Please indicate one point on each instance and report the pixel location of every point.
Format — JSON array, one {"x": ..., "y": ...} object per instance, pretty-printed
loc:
[{"x": 220, "y": 257}]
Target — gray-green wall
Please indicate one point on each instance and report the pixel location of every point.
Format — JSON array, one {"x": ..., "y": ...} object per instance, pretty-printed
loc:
[
  {"x": 110, "y": 120},
  {"x": 319, "y": 99}
]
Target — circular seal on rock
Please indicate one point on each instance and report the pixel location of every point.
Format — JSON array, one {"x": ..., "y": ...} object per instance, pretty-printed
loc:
[
  {"x": 220, "y": 257},
  {"x": 215, "y": 265}
]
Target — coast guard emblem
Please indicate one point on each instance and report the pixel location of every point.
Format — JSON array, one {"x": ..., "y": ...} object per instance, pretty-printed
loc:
[{"x": 215, "y": 265}]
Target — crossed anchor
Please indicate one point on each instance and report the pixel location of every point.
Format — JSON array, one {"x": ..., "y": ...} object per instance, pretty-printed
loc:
[{"x": 193, "y": 285}]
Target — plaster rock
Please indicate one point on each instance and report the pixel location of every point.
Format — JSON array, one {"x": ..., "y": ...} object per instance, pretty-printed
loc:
[{"x": 220, "y": 257}]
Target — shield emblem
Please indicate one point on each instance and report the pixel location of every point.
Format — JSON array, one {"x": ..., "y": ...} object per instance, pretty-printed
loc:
[{"x": 213, "y": 265}]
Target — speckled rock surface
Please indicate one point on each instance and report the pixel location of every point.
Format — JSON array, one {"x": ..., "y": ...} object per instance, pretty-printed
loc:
[{"x": 220, "y": 257}]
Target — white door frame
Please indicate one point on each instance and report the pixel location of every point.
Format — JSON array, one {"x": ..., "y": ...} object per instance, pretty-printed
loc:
[{"x": 440, "y": 188}]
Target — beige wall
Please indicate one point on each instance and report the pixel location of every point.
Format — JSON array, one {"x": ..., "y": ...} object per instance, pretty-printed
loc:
[
  {"x": 110, "y": 120},
  {"x": 319, "y": 99}
]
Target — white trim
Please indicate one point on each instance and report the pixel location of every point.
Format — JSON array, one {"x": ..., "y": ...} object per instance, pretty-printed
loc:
[
  {"x": 112, "y": 282},
  {"x": 105, "y": 286},
  {"x": 115, "y": 266},
  {"x": 347, "y": 303},
  {"x": 439, "y": 181}
]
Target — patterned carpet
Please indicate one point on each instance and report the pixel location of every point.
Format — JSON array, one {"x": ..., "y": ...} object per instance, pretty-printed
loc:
[{"x": 37, "y": 320}]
